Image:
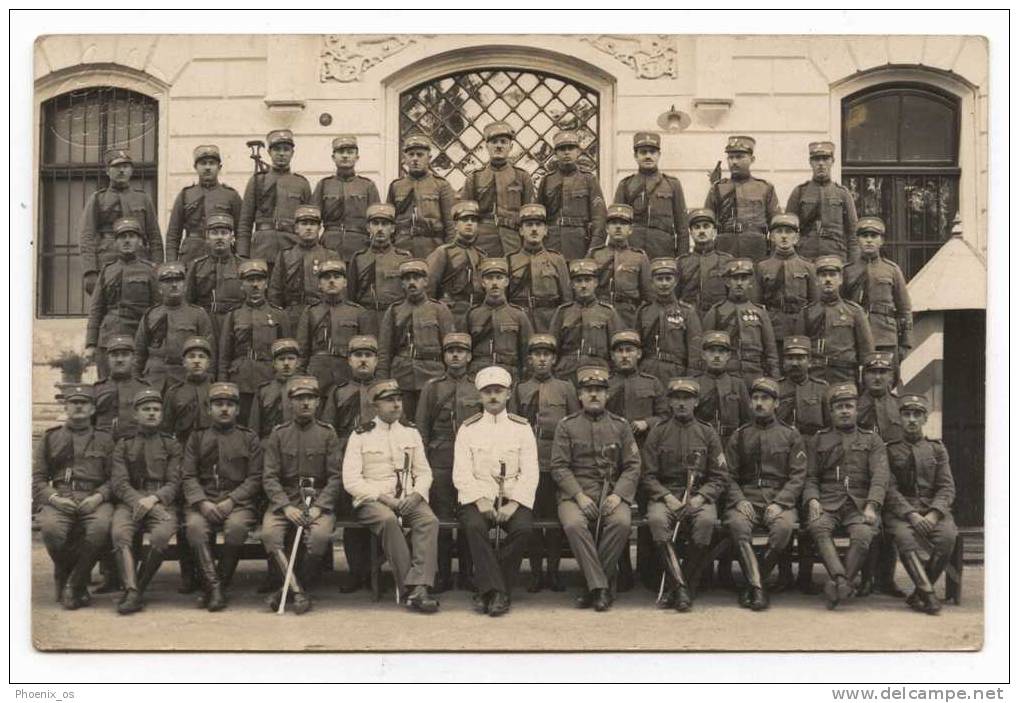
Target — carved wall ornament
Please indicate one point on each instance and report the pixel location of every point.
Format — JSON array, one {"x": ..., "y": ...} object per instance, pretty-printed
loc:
[
  {"x": 649, "y": 55},
  {"x": 345, "y": 58}
]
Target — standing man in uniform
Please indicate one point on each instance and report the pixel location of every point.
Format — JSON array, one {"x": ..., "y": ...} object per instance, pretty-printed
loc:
[
  {"x": 185, "y": 235},
  {"x": 500, "y": 189},
  {"x": 724, "y": 401},
  {"x": 624, "y": 273},
  {"x": 423, "y": 201},
  {"x": 165, "y": 327},
  {"x": 271, "y": 406},
  {"x": 71, "y": 490},
  {"x": 670, "y": 330},
  {"x": 743, "y": 204},
  {"x": 411, "y": 334},
  {"x": 767, "y": 471},
  {"x": 245, "y": 354},
  {"x": 838, "y": 329},
  {"x": 499, "y": 330},
  {"x": 539, "y": 280},
  {"x": 222, "y": 479},
  {"x": 702, "y": 272},
  {"x": 748, "y": 325},
  {"x": 495, "y": 471},
  {"x": 786, "y": 282},
  {"x": 294, "y": 279},
  {"x": 543, "y": 400},
  {"x": 124, "y": 290},
  {"x": 847, "y": 476},
  {"x": 212, "y": 282},
  {"x": 98, "y": 225},
  {"x": 387, "y": 475},
  {"x": 325, "y": 329},
  {"x": 373, "y": 279},
  {"x": 446, "y": 402},
  {"x": 596, "y": 463},
  {"x": 302, "y": 460},
  {"x": 659, "y": 207},
  {"x": 685, "y": 475},
  {"x": 266, "y": 225},
  {"x": 343, "y": 200},
  {"x": 572, "y": 201},
  {"x": 453, "y": 275},
  {"x": 114, "y": 394},
  {"x": 826, "y": 210},
  {"x": 146, "y": 481},
  {"x": 583, "y": 328}
]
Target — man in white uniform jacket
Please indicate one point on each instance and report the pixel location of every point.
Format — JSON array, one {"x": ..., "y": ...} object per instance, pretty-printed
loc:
[
  {"x": 384, "y": 493},
  {"x": 483, "y": 443}
]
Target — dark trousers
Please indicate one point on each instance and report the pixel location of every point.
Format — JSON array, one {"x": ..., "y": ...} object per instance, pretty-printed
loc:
[{"x": 496, "y": 572}]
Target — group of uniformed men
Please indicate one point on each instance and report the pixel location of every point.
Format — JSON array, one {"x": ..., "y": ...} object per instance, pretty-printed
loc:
[{"x": 274, "y": 364}]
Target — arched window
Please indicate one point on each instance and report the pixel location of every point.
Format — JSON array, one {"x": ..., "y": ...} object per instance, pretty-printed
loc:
[
  {"x": 77, "y": 129},
  {"x": 453, "y": 110},
  {"x": 900, "y": 159}
]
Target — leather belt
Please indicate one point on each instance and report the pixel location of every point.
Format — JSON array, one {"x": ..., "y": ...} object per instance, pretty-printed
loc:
[
  {"x": 277, "y": 226},
  {"x": 422, "y": 356},
  {"x": 881, "y": 309},
  {"x": 569, "y": 222},
  {"x": 78, "y": 484},
  {"x": 666, "y": 356},
  {"x": 325, "y": 352},
  {"x": 344, "y": 229},
  {"x": 762, "y": 483},
  {"x": 148, "y": 485},
  {"x": 510, "y": 221}
]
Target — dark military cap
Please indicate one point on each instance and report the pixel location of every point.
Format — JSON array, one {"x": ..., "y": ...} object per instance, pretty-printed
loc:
[
  {"x": 664, "y": 264},
  {"x": 647, "y": 139},
  {"x": 413, "y": 266},
  {"x": 307, "y": 212},
  {"x": 196, "y": 343},
  {"x": 417, "y": 141},
  {"x": 583, "y": 267},
  {"x": 701, "y": 213},
  {"x": 619, "y": 211},
  {"x": 533, "y": 211},
  {"x": 252, "y": 267},
  {"x": 498, "y": 129},
  {"x": 147, "y": 395},
  {"x": 739, "y": 267},
  {"x": 381, "y": 211},
  {"x": 220, "y": 219},
  {"x": 385, "y": 389},
  {"x": 870, "y": 224},
  {"x": 765, "y": 385},
  {"x": 465, "y": 207},
  {"x": 224, "y": 391},
  {"x": 302, "y": 385},
  {"x": 843, "y": 391},
  {"x": 460, "y": 340},
  {"x": 206, "y": 151},
  {"x": 626, "y": 337},
  {"x": 740, "y": 143},
  {"x": 916, "y": 402},
  {"x": 118, "y": 156},
  {"x": 690, "y": 386},
  {"x": 332, "y": 266},
  {"x": 493, "y": 265},
  {"x": 821, "y": 149},
  {"x": 878, "y": 360},
  {"x": 541, "y": 341},
  {"x": 829, "y": 261},
  {"x": 716, "y": 338},
  {"x": 344, "y": 141},
  {"x": 785, "y": 219},
  {"x": 363, "y": 342},
  {"x": 565, "y": 138},
  {"x": 127, "y": 224},
  {"x": 283, "y": 345},
  {"x": 171, "y": 270},
  {"x": 82, "y": 392},
  {"x": 120, "y": 342},
  {"x": 279, "y": 136},
  {"x": 493, "y": 376},
  {"x": 796, "y": 344},
  {"x": 592, "y": 376}
]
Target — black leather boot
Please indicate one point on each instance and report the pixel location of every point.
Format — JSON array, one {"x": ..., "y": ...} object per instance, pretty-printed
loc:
[
  {"x": 936, "y": 565},
  {"x": 132, "y": 601},
  {"x": 837, "y": 589},
  {"x": 75, "y": 591},
  {"x": 108, "y": 570},
  {"x": 805, "y": 568},
  {"x": 149, "y": 566},
  {"x": 855, "y": 558},
  {"x": 884, "y": 576},
  {"x": 302, "y": 603},
  {"x": 923, "y": 598},
  {"x": 756, "y": 597},
  {"x": 229, "y": 557},
  {"x": 214, "y": 599},
  {"x": 676, "y": 583},
  {"x": 190, "y": 577}
]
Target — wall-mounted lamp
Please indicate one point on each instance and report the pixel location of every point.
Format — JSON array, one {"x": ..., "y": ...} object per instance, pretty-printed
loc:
[{"x": 673, "y": 120}]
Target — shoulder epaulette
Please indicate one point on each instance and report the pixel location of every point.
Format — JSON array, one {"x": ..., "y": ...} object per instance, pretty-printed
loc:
[
  {"x": 167, "y": 435},
  {"x": 817, "y": 380},
  {"x": 853, "y": 304},
  {"x": 407, "y": 423},
  {"x": 604, "y": 304},
  {"x": 865, "y": 430},
  {"x": 612, "y": 416},
  {"x": 518, "y": 419},
  {"x": 473, "y": 418},
  {"x": 516, "y": 307},
  {"x": 573, "y": 415},
  {"x": 364, "y": 427},
  {"x": 564, "y": 305},
  {"x": 399, "y": 251},
  {"x": 52, "y": 429}
]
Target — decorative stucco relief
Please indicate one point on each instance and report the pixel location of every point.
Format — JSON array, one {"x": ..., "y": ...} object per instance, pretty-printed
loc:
[
  {"x": 650, "y": 56},
  {"x": 345, "y": 58}
]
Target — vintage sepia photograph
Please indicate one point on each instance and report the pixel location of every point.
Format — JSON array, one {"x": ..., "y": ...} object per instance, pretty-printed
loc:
[{"x": 479, "y": 342}]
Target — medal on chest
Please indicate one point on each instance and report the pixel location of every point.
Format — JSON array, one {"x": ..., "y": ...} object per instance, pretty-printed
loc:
[{"x": 748, "y": 316}]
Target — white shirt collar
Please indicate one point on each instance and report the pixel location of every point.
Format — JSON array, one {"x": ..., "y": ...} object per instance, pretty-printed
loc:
[{"x": 496, "y": 419}]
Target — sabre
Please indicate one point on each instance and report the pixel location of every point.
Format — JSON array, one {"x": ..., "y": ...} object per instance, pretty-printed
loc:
[
  {"x": 690, "y": 474},
  {"x": 307, "y": 486},
  {"x": 607, "y": 470},
  {"x": 402, "y": 477},
  {"x": 498, "y": 504}
]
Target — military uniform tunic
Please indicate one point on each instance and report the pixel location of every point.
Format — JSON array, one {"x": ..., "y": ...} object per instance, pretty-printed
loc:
[
  {"x": 323, "y": 334},
  {"x": 881, "y": 414},
  {"x": 500, "y": 192},
  {"x": 724, "y": 402},
  {"x": 803, "y": 405},
  {"x": 841, "y": 337},
  {"x": 624, "y": 279},
  {"x": 144, "y": 464},
  {"x": 879, "y": 287},
  {"x": 670, "y": 332},
  {"x": 349, "y": 405},
  {"x": 343, "y": 200},
  {"x": 115, "y": 404},
  {"x": 270, "y": 406},
  {"x": 373, "y": 279},
  {"x": 583, "y": 332},
  {"x": 637, "y": 396},
  {"x": 744, "y": 208},
  {"x": 124, "y": 291},
  {"x": 575, "y": 211},
  {"x": 186, "y": 407},
  {"x": 212, "y": 283},
  {"x": 270, "y": 200},
  {"x": 245, "y": 346},
  {"x": 453, "y": 278},
  {"x": 785, "y": 285},
  {"x": 185, "y": 235},
  {"x": 160, "y": 336},
  {"x": 499, "y": 333},
  {"x": 755, "y": 351},
  {"x": 423, "y": 212},
  {"x": 921, "y": 481},
  {"x": 103, "y": 208},
  {"x": 293, "y": 284},
  {"x": 410, "y": 345},
  {"x": 659, "y": 213},
  {"x": 539, "y": 282},
  {"x": 700, "y": 282},
  {"x": 827, "y": 220}
]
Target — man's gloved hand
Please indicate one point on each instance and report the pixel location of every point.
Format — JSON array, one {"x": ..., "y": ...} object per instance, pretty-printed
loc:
[
  {"x": 408, "y": 503},
  {"x": 587, "y": 506},
  {"x": 746, "y": 509},
  {"x": 90, "y": 504},
  {"x": 294, "y": 514},
  {"x": 506, "y": 511},
  {"x": 208, "y": 510},
  {"x": 63, "y": 504},
  {"x": 772, "y": 512},
  {"x": 870, "y": 514},
  {"x": 612, "y": 502}
]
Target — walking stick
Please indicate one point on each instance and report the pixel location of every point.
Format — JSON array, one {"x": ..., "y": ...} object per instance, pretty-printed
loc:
[{"x": 307, "y": 492}]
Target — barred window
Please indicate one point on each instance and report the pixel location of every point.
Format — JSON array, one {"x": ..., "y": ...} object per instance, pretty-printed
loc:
[
  {"x": 453, "y": 111},
  {"x": 77, "y": 129}
]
